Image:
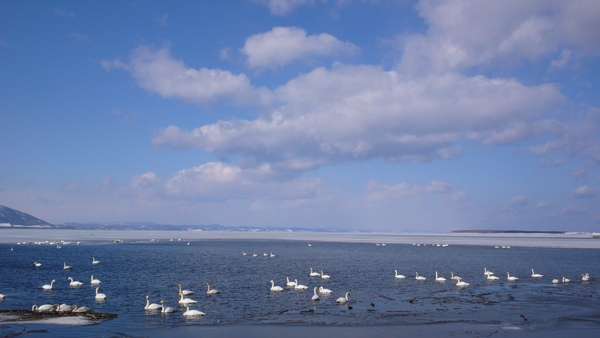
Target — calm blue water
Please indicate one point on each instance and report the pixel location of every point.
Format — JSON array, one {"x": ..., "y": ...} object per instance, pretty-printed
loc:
[{"x": 130, "y": 271}]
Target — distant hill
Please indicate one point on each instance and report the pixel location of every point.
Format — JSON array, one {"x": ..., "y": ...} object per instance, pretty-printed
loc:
[
  {"x": 17, "y": 218},
  {"x": 505, "y": 232}
]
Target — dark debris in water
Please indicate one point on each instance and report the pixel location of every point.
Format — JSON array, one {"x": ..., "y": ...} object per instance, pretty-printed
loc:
[{"x": 28, "y": 315}]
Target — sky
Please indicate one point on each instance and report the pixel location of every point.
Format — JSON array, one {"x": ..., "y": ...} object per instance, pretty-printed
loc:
[{"x": 389, "y": 116}]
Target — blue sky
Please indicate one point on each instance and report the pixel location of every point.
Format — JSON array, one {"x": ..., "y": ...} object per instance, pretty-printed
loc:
[{"x": 373, "y": 115}]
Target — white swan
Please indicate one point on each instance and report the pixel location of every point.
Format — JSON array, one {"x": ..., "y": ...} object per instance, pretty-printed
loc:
[
  {"x": 49, "y": 286},
  {"x": 275, "y": 288},
  {"x": 2, "y": 296},
  {"x": 461, "y": 283},
  {"x": 65, "y": 266},
  {"x": 265, "y": 254},
  {"x": 244, "y": 253},
  {"x": 184, "y": 292},
  {"x": 164, "y": 309},
  {"x": 254, "y": 255},
  {"x": 74, "y": 283},
  {"x": 300, "y": 286},
  {"x": 81, "y": 309},
  {"x": 211, "y": 292},
  {"x": 453, "y": 276},
  {"x": 186, "y": 300},
  {"x": 100, "y": 296},
  {"x": 290, "y": 283},
  {"x": 585, "y": 277},
  {"x": 315, "y": 296},
  {"x": 43, "y": 308},
  {"x": 313, "y": 274},
  {"x": 535, "y": 275},
  {"x": 491, "y": 277},
  {"x": 324, "y": 276},
  {"x": 417, "y": 277},
  {"x": 36, "y": 264},
  {"x": 398, "y": 276},
  {"x": 565, "y": 280},
  {"x": 555, "y": 281},
  {"x": 189, "y": 312},
  {"x": 487, "y": 272},
  {"x": 343, "y": 300},
  {"x": 324, "y": 291},
  {"x": 272, "y": 255},
  {"x": 66, "y": 308},
  {"x": 511, "y": 278},
  {"x": 439, "y": 279},
  {"x": 94, "y": 281},
  {"x": 152, "y": 306},
  {"x": 94, "y": 261}
]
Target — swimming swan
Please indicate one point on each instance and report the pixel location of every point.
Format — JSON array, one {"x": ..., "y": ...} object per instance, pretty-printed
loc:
[
  {"x": 300, "y": 286},
  {"x": 275, "y": 288},
  {"x": 99, "y": 296},
  {"x": 585, "y": 277},
  {"x": 565, "y": 280},
  {"x": 417, "y": 277},
  {"x": 185, "y": 292},
  {"x": 324, "y": 276},
  {"x": 193, "y": 312},
  {"x": 487, "y": 272},
  {"x": 313, "y": 274},
  {"x": 511, "y": 278},
  {"x": 152, "y": 306},
  {"x": 453, "y": 276},
  {"x": 94, "y": 261},
  {"x": 290, "y": 283},
  {"x": 555, "y": 281},
  {"x": 65, "y": 266},
  {"x": 211, "y": 292},
  {"x": 36, "y": 264},
  {"x": 49, "y": 286},
  {"x": 94, "y": 281},
  {"x": 535, "y": 275},
  {"x": 490, "y": 277},
  {"x": 323, "y": 290},
  {"x": 343, "y": 300},
  {"x": 461, "y": 283},
  {"x": 74, "y": 282},
  {"x": 186, "y": 300},
  {"x": 315, "y": 296},
  {"x": 439, "y": 279},
  {"x": 398, "y": 276},
  {"x": 164, "y": 309}
]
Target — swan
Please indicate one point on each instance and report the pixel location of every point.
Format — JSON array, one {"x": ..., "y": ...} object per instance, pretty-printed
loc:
[
  {"x": 565, "y": 280},
  {"x": 461, "y": 283},
  {"x": 315, "y": 296},
  {"x": 164, "y": 309},
  {"x": 324, "y": 276},
  {"x": 36, "y": 264},
  {"x": 49, "y": 286},
  {"x": 323, "y": 290},
  {"x": 272, "y": 255},
  {"x": 81, "y": 309},
  {"x": 511, "y": 278},
  {"x": 74, "y": 282},
  {"x": 300, "y": 286},
  {"x": 244, "y": 253},
  {"x": 65, "y": 266},
  {"x": 275, "y": 288},
  {"x": 43, "y": 308},
  {"x": 211, "y": 292},
  {"x": 189, "y": 312},
  {"x": 66, "y": 308},
  {"x": 292, "y": 283},
  {"x": 314, "y": 274},
  {"x": 152, "y": 306},
  {"x": 417, "y": 277},
  {"x": 453, "y": 276},
  {"x": 94, "y": 281},
  {"x": 254, "y": 255},
  {"x": 585, "y": 277},
  {"x": 2, "y": 296},
  {"x": 487, "y": 272},
  {"x": 186, "y": 300},
  {"x": 309, "y": 244},
  {"x": 265, "y": 254},
  {"x": 94, "y": 261},
  {"x": 535, "y": 275},
  {"x": 184, "y": 292},
  {"x": 99, "y": 296},
  {"x": 555, "y": 281},
  {"x": 398, "y": 276},
  {"x": 343, "y": 300},
  {"x": 490, "y": 277},
  {"x": 439, "y": 279}
]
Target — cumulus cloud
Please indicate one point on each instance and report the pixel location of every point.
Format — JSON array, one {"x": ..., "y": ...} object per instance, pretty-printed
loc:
[
  {"x": 585, "y": 192},
  {"x": 470, "y": 33},
  {"x": 156, "y": 71},
  {"x": 516, "y": 203},
  {"x": 362, "y": 112},
  {"x": 284, "y": 7},
  {"x": 282, "y": 45}
]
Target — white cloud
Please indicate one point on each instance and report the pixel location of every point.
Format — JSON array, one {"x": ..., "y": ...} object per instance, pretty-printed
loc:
[
  {"x": 378, "y": 192},
  {"x": 570, "y": 211},
  {"x": 156, "y": 71},
  {"x": 361, "y": 112},
  {"x": 282, "y": 45},
  {"x": 516, "y": 203},
  {"x": 284, "y": 7},
  {"x": 585, "y": 192}
]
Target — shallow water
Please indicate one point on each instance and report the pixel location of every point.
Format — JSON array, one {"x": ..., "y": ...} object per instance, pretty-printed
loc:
[{"x": 130, "y": 271}]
